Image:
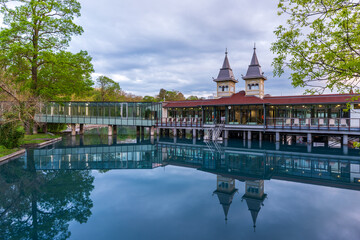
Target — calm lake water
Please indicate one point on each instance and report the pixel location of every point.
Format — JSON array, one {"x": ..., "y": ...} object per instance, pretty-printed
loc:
[{"x": 93, "y": 187}]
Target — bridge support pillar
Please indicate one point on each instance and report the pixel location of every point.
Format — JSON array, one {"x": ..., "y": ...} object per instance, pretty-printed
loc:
[
  {"x": 194, "y": 133},
  {"x": 226, "y": 134},
  {"x": 45, "y": 128},
  {"x": 249, "y": 136},
  {"x": 81, "y": 130},
  {"x": 137, "y": 131},
  {"x": 277, "y": 137},
  {"x": 73, "y": 129},
  {"x": 35, "y": 128},
  {"x": 110, "y": 130},
  {"x": 115, "y": 129},
  {"x": 309, "y": 138},
  {"x": 152, "y": 131},
  {"x": 345, "y": 139}
]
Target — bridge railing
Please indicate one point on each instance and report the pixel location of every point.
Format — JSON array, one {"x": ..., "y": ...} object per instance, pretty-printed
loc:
[
  {"x": 333, "y": 124},
  {"x": 179, "y": 122}
]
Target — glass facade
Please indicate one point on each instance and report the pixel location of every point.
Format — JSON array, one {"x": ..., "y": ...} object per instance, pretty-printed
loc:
[{"x": 117, "y": 113}]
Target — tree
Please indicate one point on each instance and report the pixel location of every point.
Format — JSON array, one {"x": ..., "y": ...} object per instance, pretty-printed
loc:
[
  {"x": 192, "y": 98},
  {"x": 109, "y": 90},
  {"x": 149, "y": 99},
  {"x": 165, "y": 95},
  {"x": 33, "y": 47},
  {"x": 320, "y": 44}
]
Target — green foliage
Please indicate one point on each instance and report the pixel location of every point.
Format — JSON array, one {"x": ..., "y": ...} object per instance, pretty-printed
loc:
[
  {"x": 108, "y": 90},
  {"x": 11, "y": 134},
  {"x": 320, "y": 44},
  {"x": 165, "y": 95},
  {"x": 149, "y": 99},
  {"x": 33, "y": 44},
  {"x": 192, "y": 98},
  {"x": 56, "y": 127}
]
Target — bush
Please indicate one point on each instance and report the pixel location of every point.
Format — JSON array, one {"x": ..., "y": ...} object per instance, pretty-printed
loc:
[
  {"x": 56, "y": 127},
  {"x": 11, "y": 134}
]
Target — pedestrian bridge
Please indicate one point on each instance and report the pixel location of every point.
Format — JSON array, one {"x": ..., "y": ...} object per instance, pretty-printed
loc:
[{"x": 101, "y": 113}]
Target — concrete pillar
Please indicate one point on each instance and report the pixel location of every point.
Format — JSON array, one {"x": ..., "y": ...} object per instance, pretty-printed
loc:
[
  {"x": 309, "y": 148},
  {"x": 73, "y": 140},
  {"x": 226, "y": 134},
  {"x": 110, "y": 130},
  {"x": 249, "y": 135},
  {"x": 345, "y": 149},
  {"x": 194, "y": 133},
  {"x": 115, "y": 129},
  {"x": 244, "y": 136},
  {"x": 309, "y": 138},
  {"x": 81, "y": 130},
  {"x": 152, "y": 131},
  {"x": 194, "y": 141},
  {"x": 249, "y": 143},
  {"x": 73, "y": 129},
  {"x": 345, "y": 139},
  {"x": 35, "y": 128},
  {"x": 175, "y": 139},
  {"x": 260, "y": 136},
  {"x": 45, "y": 128},
  {"x": 277, "y": 146},
  {"x": 175, "y": 132},
  {"x": 110, "y": 140},
  {"x": 137, "y": 131},
  {"x": 157, "y": 131},
  {"x": 277, "y": 137},
  {"x": 226, "y": 142},
  {"x": 152, "y": 139}
]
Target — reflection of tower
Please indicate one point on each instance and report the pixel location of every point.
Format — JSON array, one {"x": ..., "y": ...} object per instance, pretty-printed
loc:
[
  {"x": 254, "y": 196},
  {"x": 225, "y": 191}
]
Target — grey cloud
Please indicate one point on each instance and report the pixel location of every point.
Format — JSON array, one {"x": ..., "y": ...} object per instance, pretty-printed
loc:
[{"x": 177, "y": 44}]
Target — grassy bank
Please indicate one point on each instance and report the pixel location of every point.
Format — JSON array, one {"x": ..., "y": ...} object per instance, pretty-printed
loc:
[
  {"x": 38, "y": 138},
  {"x": 4, "y": 151}
]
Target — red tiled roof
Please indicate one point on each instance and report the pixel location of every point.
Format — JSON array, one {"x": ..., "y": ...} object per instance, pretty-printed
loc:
[
  {"x": 241, "y": 99},
  {"x": 309, "y": 99}
]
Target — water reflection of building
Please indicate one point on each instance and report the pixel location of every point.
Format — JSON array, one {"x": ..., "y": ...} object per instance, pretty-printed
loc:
[
  {"x": 254, "y": 197},
  {"x": 225, "y": 191}
]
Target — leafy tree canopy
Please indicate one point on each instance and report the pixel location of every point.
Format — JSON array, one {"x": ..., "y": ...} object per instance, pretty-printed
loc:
[
  {"x": 320, "y": 44},
  {"x": 33, "y": 47},
  {"x": 108, "y": 89},
  {"x": 165, "y": 95}
]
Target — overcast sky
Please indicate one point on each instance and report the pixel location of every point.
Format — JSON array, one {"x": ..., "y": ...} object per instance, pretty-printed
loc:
[{"x": 178, "y": 45}]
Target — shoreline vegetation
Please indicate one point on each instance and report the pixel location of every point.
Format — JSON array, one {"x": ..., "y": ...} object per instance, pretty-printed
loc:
[{"x": 28, "y": 141}]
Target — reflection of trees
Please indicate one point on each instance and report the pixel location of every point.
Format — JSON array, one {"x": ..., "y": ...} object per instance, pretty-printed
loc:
[{"x": 40, "y": 204}]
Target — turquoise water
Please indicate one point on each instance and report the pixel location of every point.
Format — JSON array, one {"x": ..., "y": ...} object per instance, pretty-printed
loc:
[{"x": 118, "y": 188}]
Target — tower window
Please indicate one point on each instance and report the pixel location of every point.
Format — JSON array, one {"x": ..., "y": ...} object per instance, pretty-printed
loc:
[
  {"x": 249, "y": 86},
  {"x": 223, "y": 88}
]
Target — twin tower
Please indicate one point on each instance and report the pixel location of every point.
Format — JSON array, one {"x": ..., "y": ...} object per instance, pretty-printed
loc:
[{"x": 254, "y": 79}]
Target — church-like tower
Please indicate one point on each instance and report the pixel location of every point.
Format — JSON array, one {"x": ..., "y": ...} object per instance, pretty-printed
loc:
[
  {"x": 225, "y": 82},
  {"x": 254, "y": 78}
]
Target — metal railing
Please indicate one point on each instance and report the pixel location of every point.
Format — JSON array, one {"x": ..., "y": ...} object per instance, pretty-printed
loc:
[
  {"x": 179, "y": 122},
  {"x": 339, "y": 124}
]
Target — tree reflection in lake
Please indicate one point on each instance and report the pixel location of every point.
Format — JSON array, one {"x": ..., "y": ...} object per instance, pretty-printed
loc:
[{"x": 41, "y": 204}]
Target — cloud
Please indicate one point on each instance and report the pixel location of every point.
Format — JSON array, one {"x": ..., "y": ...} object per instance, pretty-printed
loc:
[{"x": 177, "y": 44}]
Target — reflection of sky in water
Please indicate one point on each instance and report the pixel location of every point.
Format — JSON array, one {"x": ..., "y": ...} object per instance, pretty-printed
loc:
[{"x": 177, "y": 203}]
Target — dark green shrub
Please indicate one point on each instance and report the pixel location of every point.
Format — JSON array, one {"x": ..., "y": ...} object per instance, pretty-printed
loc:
[
  {"x": 56, "y": 127},
  {"x": 11, "y": 134}
]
